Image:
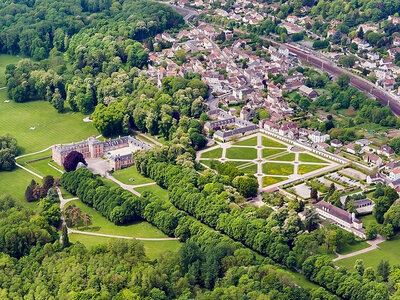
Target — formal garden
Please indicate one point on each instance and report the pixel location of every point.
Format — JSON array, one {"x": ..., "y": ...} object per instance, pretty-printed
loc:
[{"x": 266, "y": 157}]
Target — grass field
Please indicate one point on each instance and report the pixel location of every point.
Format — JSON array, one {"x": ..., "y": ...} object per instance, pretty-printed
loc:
[
  {"x": 42, "y": 167},
  {"x": 267, "y": 180},
  {"x": 266, "y": 142},
  {"x": 277, "y": 168},
  {"x": 14, "y": 184},
  {"x": 155, "y": 189},
  {"x": 241, "y": 153},
  {"x": 269, "y": 152},
  {"x": 305, "y": 157},
  {"x": 101, "y": 225},
  {"x": 388, "y": 250},
  {"x": 50, "y": 126},
  {"x": 285, "y": 157},
  {"x": 252, "y": 169},
  {"x": 153, "y": 249},
  {"x": 355, "y": 247},
  {"x": 65, "y": 193},
  {"x": 126, "y": 174},
  {"x": 248, "y": 142},
  {"x": 216, "y": 153},
  {"x": 4, "y": 61},
  {"x": 304, "y": 168}
]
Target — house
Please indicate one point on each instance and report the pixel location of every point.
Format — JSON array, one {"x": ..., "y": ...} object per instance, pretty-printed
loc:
[
  {"x": 395, "y": 174},
  {"x": 392, "y": 165},
  {"x": 308, "y": 92},
  {"x": 292, "y": 28},
  {"x": 373, "y": 158},
  {"x": 340, "y": 217},
  {"x": 385, "y": 150},
  {"x": 336, "y": 143},
  {"x": 364, "y": 206},
  {"x": 318, "y": 137},
  {"x": 375, "y": 179},
  {"x": 322, "y": 146},
  {"x": 364, "y": 143},
  {"x": 351, "y": 149}
]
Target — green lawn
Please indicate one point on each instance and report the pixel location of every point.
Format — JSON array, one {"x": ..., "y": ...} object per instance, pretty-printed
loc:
[
  {"x": 4, "y": 61},
  {"x": 277, "y": 168},
  {"x": 50, "y": 126},
  {"x": 269, "y": 152},
  {"x": 266, "y": 142},
  {"x": 285, "y": 157},
  {"x": 216, "y": 153},
  {"x": 153, "y": 249},
  {"x": 65, "y": 193},
  {"x": 388, "y": 250},
  {"x": 206, "y": 162},
  {"x": 14, "y": 183},
  {"x": 267, "y": 180},
  {"x": 131, "y": 176},
  {"x": 42, "y": 167},
  {"x": 101, "y": 225},
  {"x": 252, "y": 169},
  {"x": 29, "y": 158},
  {"x": 248, "y": 142},
  {"x": 155, "y": 189},
  {"x": 241, "y": 153},
  {"x": 304, "y": 168},
  {"x": 305, "y": 157},
  {"x": 355, "y": 247}
]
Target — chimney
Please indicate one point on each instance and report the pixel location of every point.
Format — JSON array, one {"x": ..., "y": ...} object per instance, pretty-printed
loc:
[{"x": 353, "y": 217}]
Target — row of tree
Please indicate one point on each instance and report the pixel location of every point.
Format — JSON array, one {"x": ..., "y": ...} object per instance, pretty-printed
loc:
[{"x": 278, "y": 235}]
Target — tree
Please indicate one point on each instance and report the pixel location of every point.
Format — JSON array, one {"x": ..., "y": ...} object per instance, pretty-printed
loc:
[
  {"x": 311, "y": 219},
  {"x": 64, "y": 237},
  {"x": 58, "y": 101},
  {"x": 371, "y": 231},
  {"x": 360, "y": 33},
  {"x": 388, "y": 231},
  {"x": 383, "y": 269},
  {"x": 48, "y": 182},
  {"x": 343, "y": 80},
  {"x": 29, "y": 191},
  {"x": 246, "y": 185},
  {"x": 359, "y": 267},
  {"x": 314, "y": 193},
  {"x": 72, "y": 159},
  {"x": 347, "y": 61},
  {"x": 86, "y": 219}
]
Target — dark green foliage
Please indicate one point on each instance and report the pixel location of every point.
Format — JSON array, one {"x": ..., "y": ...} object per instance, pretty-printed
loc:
[
  {"x": 21, "y": 230},
  {"x": 8, "y": 151}
]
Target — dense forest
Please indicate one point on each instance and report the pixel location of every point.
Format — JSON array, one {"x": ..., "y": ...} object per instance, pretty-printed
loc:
[{"x": 87, "y": 53}]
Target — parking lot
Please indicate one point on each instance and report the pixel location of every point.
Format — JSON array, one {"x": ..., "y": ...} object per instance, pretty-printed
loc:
[{"x": 345, "y": 180}]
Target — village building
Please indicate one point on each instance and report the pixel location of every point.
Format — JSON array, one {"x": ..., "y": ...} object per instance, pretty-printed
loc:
[
  {"x": 340, "y": 217},
  {"x": 373, "y": 158},
  {"x": 385, "y": 150},
  {"x": 318, "y": 137}
]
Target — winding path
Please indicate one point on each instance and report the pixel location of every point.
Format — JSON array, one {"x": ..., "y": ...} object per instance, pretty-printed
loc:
[
  {"x": 373, "y": 246},
  {"x": 63, "y": 202}
]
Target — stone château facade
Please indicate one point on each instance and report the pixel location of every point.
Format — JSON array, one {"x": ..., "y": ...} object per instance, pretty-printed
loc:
[{"x": 93, "y": 148}]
